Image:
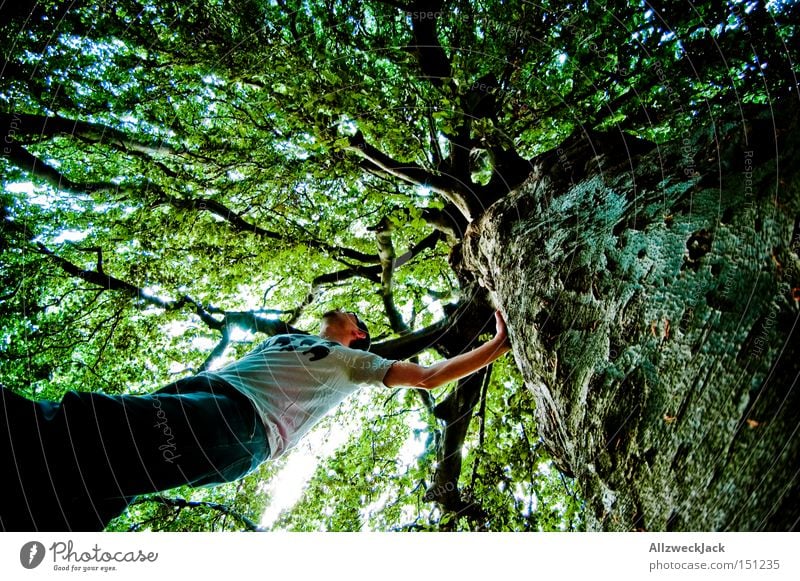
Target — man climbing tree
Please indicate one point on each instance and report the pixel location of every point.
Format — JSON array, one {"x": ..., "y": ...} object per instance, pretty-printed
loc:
[
  {"x": 620, "y": 178},
  {"x": 76, "y": 464}
]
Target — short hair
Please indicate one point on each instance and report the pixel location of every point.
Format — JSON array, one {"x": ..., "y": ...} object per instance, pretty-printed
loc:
[
  {"x": 365, "y": 342},
  {"x": 362, "y": 343}
]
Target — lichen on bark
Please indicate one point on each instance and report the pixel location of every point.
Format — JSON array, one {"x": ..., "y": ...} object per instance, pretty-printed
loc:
[{"x": 651, "y": 294}]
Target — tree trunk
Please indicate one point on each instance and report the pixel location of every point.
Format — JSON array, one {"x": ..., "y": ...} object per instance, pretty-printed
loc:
[{"x": 652, "y": 301}]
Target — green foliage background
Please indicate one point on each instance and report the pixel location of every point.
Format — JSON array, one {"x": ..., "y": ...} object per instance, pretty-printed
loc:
[{"x": 219, "y": 165}]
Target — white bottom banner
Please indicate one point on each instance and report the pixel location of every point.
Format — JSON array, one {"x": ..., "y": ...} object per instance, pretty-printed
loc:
[{"x": 378, "y": 556}]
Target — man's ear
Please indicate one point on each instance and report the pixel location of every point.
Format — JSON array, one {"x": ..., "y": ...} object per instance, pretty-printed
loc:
[{"x": 355, "y": 335}]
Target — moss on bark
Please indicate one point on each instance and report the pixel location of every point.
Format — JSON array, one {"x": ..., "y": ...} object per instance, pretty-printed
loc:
[{"x": 652, "y": 300}]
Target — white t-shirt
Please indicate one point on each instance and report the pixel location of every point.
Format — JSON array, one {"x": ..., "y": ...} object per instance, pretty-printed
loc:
[{"x": 294, "y": 380}]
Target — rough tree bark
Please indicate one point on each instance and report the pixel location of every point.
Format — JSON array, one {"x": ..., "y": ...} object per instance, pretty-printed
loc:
[{"x": 652, "y": 300}]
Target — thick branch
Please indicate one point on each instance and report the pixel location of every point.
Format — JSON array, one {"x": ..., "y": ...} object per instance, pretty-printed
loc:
[
  {"x": 218, "y": 350},
  {"x": 248, "y": 320},
  {"x": 450, "y": 336},
  {"x": 509, "y": 171},
  {"x": 451, "y": 189},
  {"x": 460, "y": 404},
  {"x": 13, "y": 124},
  {"x": 99, "y": 278},
  {"x": 482, "y": 416},
  {"x": 383, "y": 236},
  {"x": 409, "y": 345},
  {"x": 204, "y": 313},
  {"x": 467, "y": 323},
  {"x": 370, "y": 273},
  {"x": 458, "y": 162},
  {"x": 28, "y": 162},
  {"x": 435, "y": 148},
  {"x": 373, "y": 273},
  {"x": 254, "y": 322},
  {"x": 241, "y": 225},
  {"x": 428, "y": 242},
  {"x": 432, "y": 59},
  {"x": 181, "y": 503},
  {"x": 447, "y": 221}
]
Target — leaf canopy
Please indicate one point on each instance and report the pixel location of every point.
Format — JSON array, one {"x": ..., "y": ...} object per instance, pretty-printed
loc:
[{"x": 181, "y": 177}]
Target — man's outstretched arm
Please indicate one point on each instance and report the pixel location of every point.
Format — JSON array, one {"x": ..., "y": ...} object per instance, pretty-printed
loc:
[{"x": 406, "y": 374}]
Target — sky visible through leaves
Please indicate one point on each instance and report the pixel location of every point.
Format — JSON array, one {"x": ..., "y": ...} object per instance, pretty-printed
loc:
[{"x": 236, "y": 165}]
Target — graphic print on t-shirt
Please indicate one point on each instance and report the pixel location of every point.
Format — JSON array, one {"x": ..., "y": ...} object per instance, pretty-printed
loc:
[
  {"x": 318, "y": 350},
  {"x": 295, "y": 379}
]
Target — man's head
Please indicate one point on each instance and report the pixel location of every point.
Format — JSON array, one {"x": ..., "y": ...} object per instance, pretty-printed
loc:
[{"x": 346, "y": 328}]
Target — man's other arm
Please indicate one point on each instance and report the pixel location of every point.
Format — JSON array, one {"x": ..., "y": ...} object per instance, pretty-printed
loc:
[{"x": 406, "y": 374}]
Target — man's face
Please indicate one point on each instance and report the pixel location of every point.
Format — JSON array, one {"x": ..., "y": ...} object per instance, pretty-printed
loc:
[
  {"x": 340, "y": 320},
  {"x": 346, "y": 328}
]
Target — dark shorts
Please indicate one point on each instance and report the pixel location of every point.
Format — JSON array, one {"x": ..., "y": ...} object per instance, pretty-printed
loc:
[{"x": 76, "y": 464}]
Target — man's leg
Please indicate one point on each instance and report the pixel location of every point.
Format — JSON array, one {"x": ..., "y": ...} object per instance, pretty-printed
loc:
[
  {"x": 89, "y": 454},
  {"x": 23, "y": 461}
]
